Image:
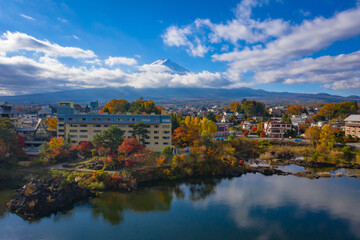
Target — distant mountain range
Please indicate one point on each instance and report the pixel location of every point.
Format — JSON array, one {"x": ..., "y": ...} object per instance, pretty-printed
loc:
[{"x": 175, "y": 95}]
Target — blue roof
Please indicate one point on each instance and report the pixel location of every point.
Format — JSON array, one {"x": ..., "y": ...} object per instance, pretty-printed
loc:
[{"x": 113, "y": 118}]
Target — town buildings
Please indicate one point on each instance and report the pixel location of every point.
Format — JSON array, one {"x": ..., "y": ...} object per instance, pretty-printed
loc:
[
  {"x": 15, "y": 116},
  {"x": 276, "y": 129},
  {"x": 352, "y": 125},
  {"x": 83, "y": 127}
]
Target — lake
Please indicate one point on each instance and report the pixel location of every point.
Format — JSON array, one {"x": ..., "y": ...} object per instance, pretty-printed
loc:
[{"x": 252, "y": 206}]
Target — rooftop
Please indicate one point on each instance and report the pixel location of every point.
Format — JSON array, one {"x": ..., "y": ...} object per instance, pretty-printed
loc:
[{"x": 353, "y": 118}]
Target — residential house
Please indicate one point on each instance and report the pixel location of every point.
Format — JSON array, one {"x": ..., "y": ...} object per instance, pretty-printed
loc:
[
  {"x": 276, "y": 129},
  {"x": 352, "y": 125}
]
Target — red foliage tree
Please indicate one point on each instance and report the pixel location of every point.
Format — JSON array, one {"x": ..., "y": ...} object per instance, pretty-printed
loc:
[
  {"x": 130, "y": 146},
  {"x": 246, "y": 133},
  {"x": 262, "y": 134},
  {"x": 276, "y": 136},
  {"x": 254, "y": 129}
]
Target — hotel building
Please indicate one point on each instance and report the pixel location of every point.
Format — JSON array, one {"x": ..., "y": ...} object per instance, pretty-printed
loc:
[{"x": 83, "y": 127}]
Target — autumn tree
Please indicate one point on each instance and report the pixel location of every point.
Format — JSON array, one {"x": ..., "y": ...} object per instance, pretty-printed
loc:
[
  {"x": 313, "y": 134},
  {"x": 327, "y": 134},
  {"x": 295, "y": 110},
  {"x": 51, "y": 123}
]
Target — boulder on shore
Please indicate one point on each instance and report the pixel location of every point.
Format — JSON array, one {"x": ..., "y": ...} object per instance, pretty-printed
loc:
[{"x": 42, "y": 197}]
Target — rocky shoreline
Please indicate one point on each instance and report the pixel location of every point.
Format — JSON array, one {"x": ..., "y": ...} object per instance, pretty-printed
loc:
[{"x": 43, "y": 197}]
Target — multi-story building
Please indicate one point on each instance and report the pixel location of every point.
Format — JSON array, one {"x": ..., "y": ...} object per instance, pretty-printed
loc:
[
  {"x": 83, "y": 127},
  {"x": 273, "y": 129},
  {"x": 222, "y": 129},
  {"x": 352, "y": 125},
  {"x": 15, "y": 116}
]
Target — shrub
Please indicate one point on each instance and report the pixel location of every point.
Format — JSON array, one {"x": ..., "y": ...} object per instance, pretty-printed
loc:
[
  {"x": 266, "y": 156},
  {"x": 231, "y": 137},
  {"x": 178, "y": 161}
]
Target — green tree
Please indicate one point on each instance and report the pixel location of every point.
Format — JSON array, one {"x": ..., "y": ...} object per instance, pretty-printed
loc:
[
  {"x": 166, "y": 152},
  {"x": 10, "y": 150},
  {"x": 111, "y": 138},
  {"x": 286, "y": 118},
  {"x": 140, "y": 132},
  {"x": 211, "y": 116}
]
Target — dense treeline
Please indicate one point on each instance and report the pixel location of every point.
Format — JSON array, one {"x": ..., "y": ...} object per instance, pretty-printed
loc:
[
  {"x": 249, "y": 108},
  {"x": 332, "y": 111},
  {"x": 139, "y": 106}
]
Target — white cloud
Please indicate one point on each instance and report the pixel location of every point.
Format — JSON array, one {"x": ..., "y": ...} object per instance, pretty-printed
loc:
[
  {"x": 62, "y": 20},
  {"x": 303, "y": 40},
  {"x": 76, "y": 37},
  {"x": 337, "y": 72},
  {"x": 13, "y": 42},
  {"x": 27, "y": 17},
  {"x": 111, "y": 61},
  {"x": 271, "y": 49}
]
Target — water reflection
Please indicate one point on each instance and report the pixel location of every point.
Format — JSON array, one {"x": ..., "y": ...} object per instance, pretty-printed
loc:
[
  {"x": 251, "y": 207},
  {"x": 111, "y": 205}
]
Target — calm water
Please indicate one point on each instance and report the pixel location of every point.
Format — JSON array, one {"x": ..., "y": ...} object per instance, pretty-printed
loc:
[{"x": 248, "y": 207}]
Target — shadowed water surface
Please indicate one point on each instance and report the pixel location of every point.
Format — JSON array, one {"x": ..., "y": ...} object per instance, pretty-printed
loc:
[{"x": 249, "y": 207}]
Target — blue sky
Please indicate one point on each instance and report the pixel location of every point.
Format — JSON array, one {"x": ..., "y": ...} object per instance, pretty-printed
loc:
[{"x": 276, "y": 45}]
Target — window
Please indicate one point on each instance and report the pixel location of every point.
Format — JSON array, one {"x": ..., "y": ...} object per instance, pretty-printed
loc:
[
  {"x": 156, "y": 126},
  {"x": 74, "y": 125},
  {"x": 71, "y": 119},
  {"x": 156, "y": 143},
  {"x": 61, "y": 130},
  {"x": 165, "y": 143},
  {"x": 166, "y": 132},
  {"x": 83, "y": 131},
  {"x": 166, "y": 120},
  {"x": 83, "y": 125},
  {"x": 156, "y": 131},
  {"x": 95, "y": 119},
  {"x": 73, "y": 136},
  {"x": 156, "y": 137},
  {"x": 82, "y": 119},
  {"x": 73, "y": 141},
  {"x": 73, "y": 131},
  {"x": 106, "y": 126},
  {"x": 107, "y": 119},
  {"x": 83, "y": 136},
  {"x": 147, "y": 143},
  {"x": 61, "y": 125},
  {"x": 166, "y": 126},
  {"x": 97, "y": 126},
  {"x": 61, "y": 119},
  {"x": 97, "y": 131},
  {"x": 166, "y": 137}
]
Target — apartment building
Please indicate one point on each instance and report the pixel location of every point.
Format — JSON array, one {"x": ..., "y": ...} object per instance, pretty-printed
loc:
[
  {"x": 15, "y": 116},
  {"x": 83, "y": 127},
  {"x": 276, "y": 128},
  {"x": 352, "y": 125}
]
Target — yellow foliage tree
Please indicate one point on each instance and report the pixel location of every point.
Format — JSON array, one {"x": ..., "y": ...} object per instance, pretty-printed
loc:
[
  {"x": 51, "y": 123},
  {"x": 312, "y": 134},
  {"x": 327, "y": 134}
]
